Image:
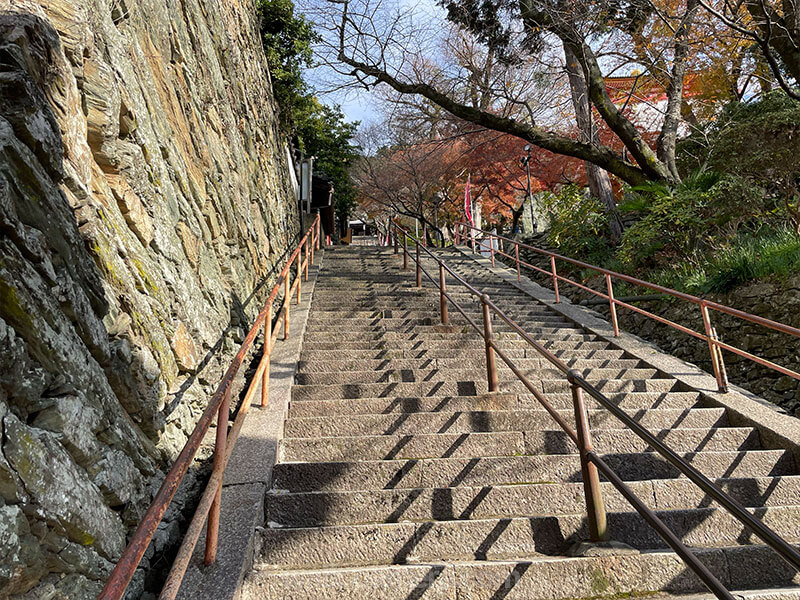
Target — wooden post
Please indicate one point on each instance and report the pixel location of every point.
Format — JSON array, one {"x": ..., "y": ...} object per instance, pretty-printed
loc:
[
  {"x": 405, "y": 252},
  {"x": 491, "y": 249},
  {"x": 516, "y": 255}
]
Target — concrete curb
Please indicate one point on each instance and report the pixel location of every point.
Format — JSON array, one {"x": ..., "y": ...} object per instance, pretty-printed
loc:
[
  {"x": 745, "y": 409},
  {"x": 249, "y": 472}
]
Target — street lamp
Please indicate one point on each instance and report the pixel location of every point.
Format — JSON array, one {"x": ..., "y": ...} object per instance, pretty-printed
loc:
[{"x": 526, "y": 161}]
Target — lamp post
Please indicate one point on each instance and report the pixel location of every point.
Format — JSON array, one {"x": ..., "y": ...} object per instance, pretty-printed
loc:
[{"x": 526, "y": 161}]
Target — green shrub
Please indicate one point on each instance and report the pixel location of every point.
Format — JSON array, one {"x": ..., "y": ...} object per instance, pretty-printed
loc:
[
  {"x": 674, "y": 223},
  {"x": 758, "y": 142},
  {"x": 751, "y": 256},
  {"x": 704, "y": 214},
  {"x": 578, "y": 224}
]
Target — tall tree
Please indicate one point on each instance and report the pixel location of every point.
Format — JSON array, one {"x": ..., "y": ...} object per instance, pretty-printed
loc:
[
  {"x": 375, "y": 48},
  {"x": 599, "y": 182}
]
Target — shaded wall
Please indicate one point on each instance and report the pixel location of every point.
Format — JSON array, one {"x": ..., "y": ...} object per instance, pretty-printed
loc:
[{"x": 144, "y": 199}]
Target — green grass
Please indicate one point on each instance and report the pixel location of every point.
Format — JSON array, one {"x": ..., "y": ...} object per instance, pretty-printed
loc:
[{"x": 773, "y": 254}]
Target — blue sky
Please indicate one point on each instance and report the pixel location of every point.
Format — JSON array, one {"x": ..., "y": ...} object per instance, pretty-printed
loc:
[{"x": 356, "y": 106}]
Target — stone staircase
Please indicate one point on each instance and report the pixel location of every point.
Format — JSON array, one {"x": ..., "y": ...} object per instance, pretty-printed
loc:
[{"x": 400, "y": 477}]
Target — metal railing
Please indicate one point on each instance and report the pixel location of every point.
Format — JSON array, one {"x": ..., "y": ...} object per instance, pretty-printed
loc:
[
  {"x": 591, "y": 464},
  {"x": 715, "y": 346},
  {"x": 208, "y": 509}
]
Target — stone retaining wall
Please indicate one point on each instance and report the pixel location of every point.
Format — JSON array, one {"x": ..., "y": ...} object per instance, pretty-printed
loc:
[
  {"x": 144, "y": 199},
  {"x": 779, "y": 301}
]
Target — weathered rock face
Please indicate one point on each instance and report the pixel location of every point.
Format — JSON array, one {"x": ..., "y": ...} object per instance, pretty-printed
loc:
[{"x": 144, "y": 197}]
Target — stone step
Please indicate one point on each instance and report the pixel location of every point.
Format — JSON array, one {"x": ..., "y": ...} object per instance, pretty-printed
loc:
[
  {"x": 544, "y": 578},
  {"x": 381, "y": 319},
  {"x": 335, "y": 313},
  {"x": 626, "y": 400},
  {"x": 450, "y": 344},
  {"x": 468, "y": 335},
  {"x": 515, "y": 470},
  {"x": 500, "y": 539},
  {"x": 469, "y": 387},
  {"x": 492, "y": 421},
  {"x": 389, "y": 364},
  {"x": 311, "y": 509},
  {"x": 427, "y": 304},
  {"x": 308, "y": 355},
  {"x": 482, "y": 492},
  {"x": 435, "y": 330},
  {"x": 508, "y": 443},
  {"x": 478, "y": 371}
]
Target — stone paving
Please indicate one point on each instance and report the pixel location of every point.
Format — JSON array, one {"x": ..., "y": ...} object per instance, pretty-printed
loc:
[{"x": 399, "y": 476}]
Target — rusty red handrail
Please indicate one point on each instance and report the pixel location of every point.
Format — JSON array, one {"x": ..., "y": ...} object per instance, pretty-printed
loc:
[
  {"x": 209, "y": 506},
  {"x": 715, "y": 345},
  {"x": 591, "y": 463}
]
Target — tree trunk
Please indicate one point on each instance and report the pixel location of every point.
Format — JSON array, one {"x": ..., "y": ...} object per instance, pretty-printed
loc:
[
  {"x": 516, "y": 215},
  {"x": 599, "y": 181},
  {"x": 668, "y": 138}
]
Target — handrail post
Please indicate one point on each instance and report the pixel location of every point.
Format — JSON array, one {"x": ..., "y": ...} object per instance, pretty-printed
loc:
[
  {"x": 424, "y": 235},
  {"x": 405, "y": 252},
  {"x": 712, "y": 348},
  {"x": 457, "y": 234},
  {"x": 299, "y": 272},
  {"x": 472, "y": 235},
  {"x": 488, "y": 336},
  {"x": 442, "y": 292},
  {"x": 419, "y": 267},
  {"x": 319, "y": 232},
  {"x": 220, "y": 448},
  {"x": 722, "y": 370},
  {"x": 286, "y": 300},
  {"x": 516, "y": 255},
  {"x": 612, "y": 305},
  {"x": 394, "y": 230},
  {"x": 491, "y": 248},
  {"x": 267, "y": 356},
  {"x": 305, "y": 269},
  {"x": 313, "y": 243},
  {"x": 595, "y": 507},
  {"x": 555, "y": 277}
]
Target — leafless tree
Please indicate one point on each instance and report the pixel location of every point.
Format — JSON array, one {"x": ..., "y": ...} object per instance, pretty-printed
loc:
[{"x": 375, "y": 41}]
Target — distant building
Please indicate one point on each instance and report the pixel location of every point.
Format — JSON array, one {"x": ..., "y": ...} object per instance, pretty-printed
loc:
[{"x": 644, "y": 99}]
